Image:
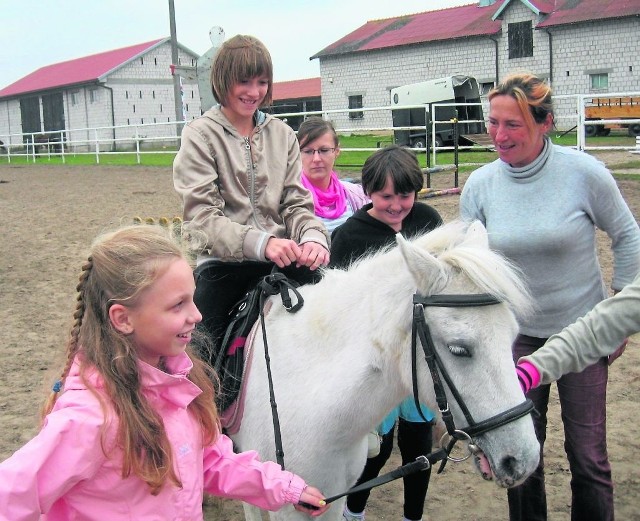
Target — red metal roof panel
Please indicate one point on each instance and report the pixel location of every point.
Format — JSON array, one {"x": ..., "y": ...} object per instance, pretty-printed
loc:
[
  {"x": 574, "y": 11},
  {"x": 296, "y": 89},
  {"x": 470, "y": 20},
  {"x": 442, "y": 24},
  {"x": 81, "y": 70}
]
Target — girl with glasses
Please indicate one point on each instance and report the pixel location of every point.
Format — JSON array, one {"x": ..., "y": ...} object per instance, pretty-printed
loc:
[{"x": 334, "y": 200}]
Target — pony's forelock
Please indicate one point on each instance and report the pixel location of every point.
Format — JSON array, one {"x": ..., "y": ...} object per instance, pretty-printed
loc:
[{"x": 489, "y": 270}]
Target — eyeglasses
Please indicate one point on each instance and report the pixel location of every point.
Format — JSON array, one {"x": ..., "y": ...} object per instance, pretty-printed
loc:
[{"x": 323, "y": 152}]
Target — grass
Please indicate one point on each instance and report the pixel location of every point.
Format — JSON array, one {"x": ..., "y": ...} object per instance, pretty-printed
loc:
[
  {"x": 127, "y": 159},
  {"x": 347, "y": 161},
  {"x": 626, "y": 177}
]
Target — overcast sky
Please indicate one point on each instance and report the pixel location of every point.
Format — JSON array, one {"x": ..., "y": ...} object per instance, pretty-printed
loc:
[{"x": 36, "y": 33}]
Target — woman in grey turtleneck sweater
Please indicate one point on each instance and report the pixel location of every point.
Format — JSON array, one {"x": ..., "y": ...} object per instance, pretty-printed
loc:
[{"x": 541, "y": 204}]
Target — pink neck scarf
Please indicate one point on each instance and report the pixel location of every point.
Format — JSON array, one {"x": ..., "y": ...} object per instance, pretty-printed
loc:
[{"x": 330, "y": 203}]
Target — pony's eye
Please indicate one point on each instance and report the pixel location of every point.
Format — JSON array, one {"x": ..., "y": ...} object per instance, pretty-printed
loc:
[{"x": 458, "y": 350}]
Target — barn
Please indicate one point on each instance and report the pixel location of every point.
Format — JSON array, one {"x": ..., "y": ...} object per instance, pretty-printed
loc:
[{"x": 114, "y": 89}]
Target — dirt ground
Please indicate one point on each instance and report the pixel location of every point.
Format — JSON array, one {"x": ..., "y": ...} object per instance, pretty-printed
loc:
[{"x": 50, "y": 216}]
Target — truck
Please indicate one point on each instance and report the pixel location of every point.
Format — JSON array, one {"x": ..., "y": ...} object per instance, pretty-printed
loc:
[
  {"x": 450, "y": 89},
  {"x": 616, "y": 107}
]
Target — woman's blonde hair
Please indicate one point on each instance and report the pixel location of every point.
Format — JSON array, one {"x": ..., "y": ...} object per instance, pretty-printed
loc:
[
  {"x": 121, "y": 265},
  {"x": 532, "y": 95},
  {"x": 240, "y": 58}
]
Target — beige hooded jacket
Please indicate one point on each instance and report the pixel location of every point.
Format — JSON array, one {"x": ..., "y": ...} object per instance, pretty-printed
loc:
[{"x": 241, "y": 191}]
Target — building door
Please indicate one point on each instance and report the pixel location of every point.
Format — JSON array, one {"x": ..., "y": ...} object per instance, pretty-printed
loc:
[
  {"x": 53, "y": 112},
  {"x": 30, "y": 115}
]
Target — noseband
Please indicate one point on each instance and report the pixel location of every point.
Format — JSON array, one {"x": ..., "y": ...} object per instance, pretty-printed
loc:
[{"x": 421, "y": 329}]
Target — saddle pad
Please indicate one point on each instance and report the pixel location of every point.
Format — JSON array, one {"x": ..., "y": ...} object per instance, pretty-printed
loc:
[{"x": 231, "y": 417}]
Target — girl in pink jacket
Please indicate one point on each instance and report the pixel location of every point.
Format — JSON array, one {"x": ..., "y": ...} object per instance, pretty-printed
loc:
[{"x": 135, "y": 434}]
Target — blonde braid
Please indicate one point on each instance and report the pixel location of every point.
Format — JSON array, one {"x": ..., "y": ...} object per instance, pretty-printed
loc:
[{"x": 74, "y": 334}]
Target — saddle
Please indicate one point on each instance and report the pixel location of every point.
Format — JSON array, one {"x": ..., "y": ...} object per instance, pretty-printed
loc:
[{"x": 228, "y": 361}]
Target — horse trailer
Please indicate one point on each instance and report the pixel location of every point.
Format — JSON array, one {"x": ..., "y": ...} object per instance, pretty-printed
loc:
[{"x": 452, "y": 89}]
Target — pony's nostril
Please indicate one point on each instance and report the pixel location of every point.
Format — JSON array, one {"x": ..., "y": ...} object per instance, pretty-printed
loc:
[{"x": 509, "y": 465}]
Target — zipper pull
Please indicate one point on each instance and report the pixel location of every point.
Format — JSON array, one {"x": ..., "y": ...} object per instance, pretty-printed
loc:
[{"x": 247, "y": 143}]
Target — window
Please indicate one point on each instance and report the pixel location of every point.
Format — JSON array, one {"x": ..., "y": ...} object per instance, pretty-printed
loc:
[
  {"x": 485, "y": 87},
  {"x": 599, "y": 81},
  {"x": 355, "y": 102},
  {"x": 520, "y": 40},
  {"x": 93, "y": 95},
  {"x": 74, "y": 97}
]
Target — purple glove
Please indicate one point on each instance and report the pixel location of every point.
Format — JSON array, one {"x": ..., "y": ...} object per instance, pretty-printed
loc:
[{"x": 528, "y": 376}]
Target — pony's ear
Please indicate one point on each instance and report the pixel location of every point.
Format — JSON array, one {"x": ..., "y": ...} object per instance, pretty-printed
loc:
[
  {"x": 425, "y": 269},
  {"x": 477, "y": 235}
]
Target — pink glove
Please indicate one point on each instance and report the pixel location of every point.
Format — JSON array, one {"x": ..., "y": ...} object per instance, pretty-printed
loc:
[{"x": 528, "y": 376}]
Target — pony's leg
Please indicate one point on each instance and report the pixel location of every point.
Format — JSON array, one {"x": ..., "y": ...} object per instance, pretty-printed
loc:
[
  {"x": 289, "y": 514},
  {"x": 251, "y": 513}
]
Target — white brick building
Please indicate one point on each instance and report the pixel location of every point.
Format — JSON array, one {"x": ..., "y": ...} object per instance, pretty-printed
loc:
[{"x": 579, "y": 46}]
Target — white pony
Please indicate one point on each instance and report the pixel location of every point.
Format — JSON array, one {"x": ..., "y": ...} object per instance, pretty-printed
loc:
[{"x": 343, "y": 361}]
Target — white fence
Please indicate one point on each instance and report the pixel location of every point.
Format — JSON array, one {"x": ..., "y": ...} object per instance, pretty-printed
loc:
[{"x": 154, "y": 138}]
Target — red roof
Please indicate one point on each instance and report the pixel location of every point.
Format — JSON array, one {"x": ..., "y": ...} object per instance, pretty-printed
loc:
[
  {"x": 572, "y": 11},
  {"x": 81, "y": 70},
  {"x": 296, "y": 89},
  {"x": 442, "y": 24},
  {"x": 470, "y": 20}
]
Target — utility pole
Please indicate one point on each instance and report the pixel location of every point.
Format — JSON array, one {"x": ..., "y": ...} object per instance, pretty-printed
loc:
[{"x": 177, "y": 94}]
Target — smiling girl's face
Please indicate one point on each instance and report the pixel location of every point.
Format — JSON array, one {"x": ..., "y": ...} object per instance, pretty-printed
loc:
[
  {"x": 163, "y": 318},
  {"x": 244, "y": 98},
  {"x": 390, "y": 207}
]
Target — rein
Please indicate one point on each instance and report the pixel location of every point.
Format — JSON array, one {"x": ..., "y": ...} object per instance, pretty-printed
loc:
[{"x": 269, "y": 285}]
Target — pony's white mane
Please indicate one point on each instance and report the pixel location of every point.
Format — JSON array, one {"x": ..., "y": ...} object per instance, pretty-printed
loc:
[
  {"x": 459, "y": 253},
  {"x": 488, "y": 269}
]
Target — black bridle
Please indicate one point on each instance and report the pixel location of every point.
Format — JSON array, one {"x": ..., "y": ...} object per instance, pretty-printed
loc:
[{"x": 420, "y": 329}]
